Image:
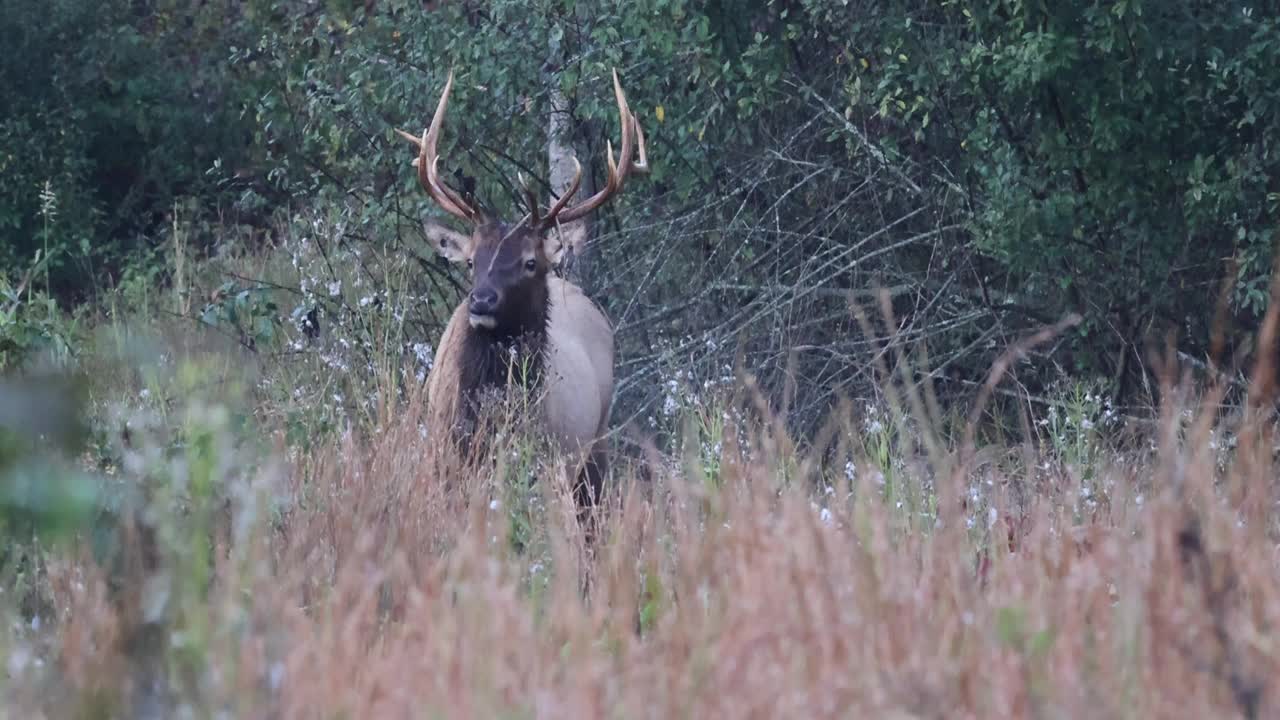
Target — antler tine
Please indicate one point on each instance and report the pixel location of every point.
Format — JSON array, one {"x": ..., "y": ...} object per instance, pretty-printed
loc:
[
  {"x": 430, "y": 148},
  {"x": 566, "y": 196},
  {"x": 428, "y": 161},
  {"x": 641, "y": 165},
  {"x": 417, "y": 142},
  {"x": 618, "y": 171},
  {"x": 532, "y": 198}
]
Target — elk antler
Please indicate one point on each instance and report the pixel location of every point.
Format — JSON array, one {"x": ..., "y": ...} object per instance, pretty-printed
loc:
[
  {"x": 530, "y": 197},
  {"x": 631, "y": 135},
  {"x": 428, "y": 162}
]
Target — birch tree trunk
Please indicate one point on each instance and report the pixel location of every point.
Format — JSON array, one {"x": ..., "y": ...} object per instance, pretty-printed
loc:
[{"x": 564, "y": 142}]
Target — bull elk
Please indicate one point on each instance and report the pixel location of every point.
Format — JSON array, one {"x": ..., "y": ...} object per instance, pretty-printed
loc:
[{"x": 518, "y": 310}]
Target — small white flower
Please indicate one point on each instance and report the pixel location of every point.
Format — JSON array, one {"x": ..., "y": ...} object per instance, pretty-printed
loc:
[
  {"x": 335, "y": 287},
  {"x": 423, "y": 353},
  {"x": 494, "y": 504},
  {"x": 275, "y": 675},
  {"x": 669, "y": 406},
  {"x": 18, "y": 660}
]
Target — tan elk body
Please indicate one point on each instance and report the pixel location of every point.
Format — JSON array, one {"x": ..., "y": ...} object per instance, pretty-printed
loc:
[
  {"x": 578, "y": 372},
  {"x": 519, "y": 309}
]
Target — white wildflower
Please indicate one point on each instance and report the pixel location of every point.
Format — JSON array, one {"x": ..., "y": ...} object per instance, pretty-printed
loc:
[
  {"x": 275, "y": 675},
  {"x": 423, "y": 353},
  {"x": 19, "y": 657},
  {"x": 669, "y": 406}
]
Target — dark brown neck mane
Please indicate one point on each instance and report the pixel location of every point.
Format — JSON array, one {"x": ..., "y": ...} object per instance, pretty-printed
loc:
[{"x": 513, "y": 350}]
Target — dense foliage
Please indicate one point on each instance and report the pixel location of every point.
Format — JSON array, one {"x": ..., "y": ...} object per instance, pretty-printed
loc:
[
  {"x": 112, "y": 113},
  {"x": 994, "y": 164},
  {"x": 219, "y": 492}
]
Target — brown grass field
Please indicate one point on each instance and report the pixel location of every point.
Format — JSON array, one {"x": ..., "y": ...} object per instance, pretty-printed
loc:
[{"x": 745, "y": 576}]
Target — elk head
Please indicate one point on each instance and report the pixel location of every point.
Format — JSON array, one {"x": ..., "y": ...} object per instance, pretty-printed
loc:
[{"x": 509, "y": 262}]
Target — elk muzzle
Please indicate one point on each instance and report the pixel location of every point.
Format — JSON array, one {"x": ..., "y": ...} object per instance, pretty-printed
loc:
[{"x": 483, "y": 308}]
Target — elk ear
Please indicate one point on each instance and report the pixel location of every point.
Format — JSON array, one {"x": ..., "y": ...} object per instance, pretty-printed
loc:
[
  {"x": 556, "y": 247},
  {"x": 453, "y": 245}
]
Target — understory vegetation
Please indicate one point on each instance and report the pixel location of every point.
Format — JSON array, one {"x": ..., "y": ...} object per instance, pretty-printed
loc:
[
  {"x": 945, "y": 382},
  {"x": 195, "y": 533}
]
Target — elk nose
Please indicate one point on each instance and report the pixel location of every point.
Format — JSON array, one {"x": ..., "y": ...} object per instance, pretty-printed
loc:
[{"x": 484, "y": 301}]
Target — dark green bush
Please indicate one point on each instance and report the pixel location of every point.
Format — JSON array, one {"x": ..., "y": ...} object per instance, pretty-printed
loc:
[
  {"x": 1118, "y": 157},
  {"x": 996, "y": 164},
  {"x": 112, "y": 110}
]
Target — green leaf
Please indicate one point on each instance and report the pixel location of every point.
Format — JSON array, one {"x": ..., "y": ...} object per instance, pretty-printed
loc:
[{"x": 1011, "y": 626}]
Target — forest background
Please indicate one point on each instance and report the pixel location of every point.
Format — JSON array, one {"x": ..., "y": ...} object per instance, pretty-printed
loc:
[{"x": 964, "y": 307}]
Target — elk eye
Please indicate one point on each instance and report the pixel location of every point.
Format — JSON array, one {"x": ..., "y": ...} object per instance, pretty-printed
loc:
[
  {"x": 530, "y": 265},
  {"x": 470, "y": 263}
]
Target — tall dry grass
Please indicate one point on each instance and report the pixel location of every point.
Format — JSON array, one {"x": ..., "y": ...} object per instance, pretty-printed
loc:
[{"x": 396, "y": 581}]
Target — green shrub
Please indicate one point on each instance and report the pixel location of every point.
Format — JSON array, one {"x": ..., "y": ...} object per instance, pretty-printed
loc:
[{"x": 112, "y": 110}]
